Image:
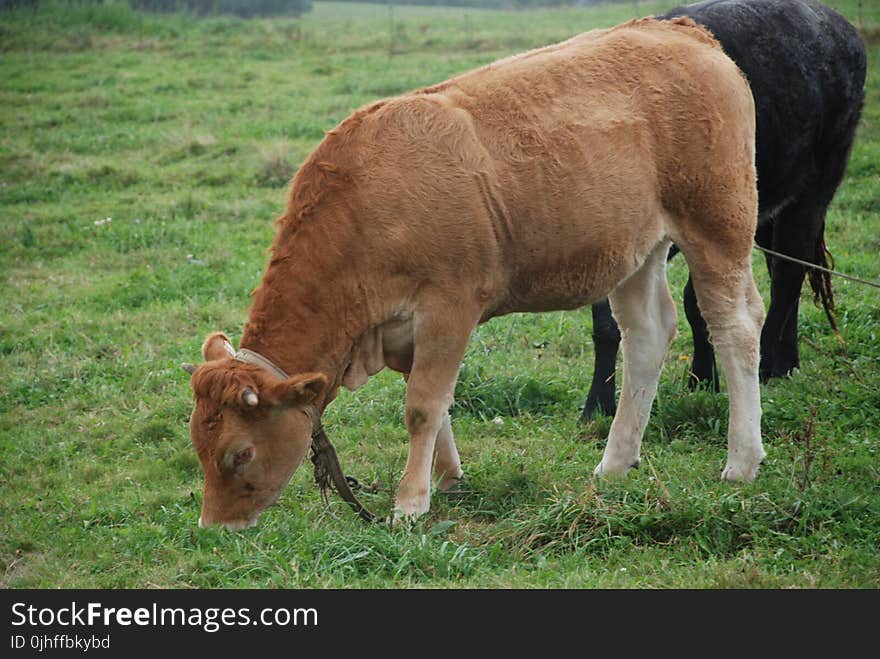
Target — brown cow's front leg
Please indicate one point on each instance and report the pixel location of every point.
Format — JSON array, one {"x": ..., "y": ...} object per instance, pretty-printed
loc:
[{"x": 440, "y": 342}]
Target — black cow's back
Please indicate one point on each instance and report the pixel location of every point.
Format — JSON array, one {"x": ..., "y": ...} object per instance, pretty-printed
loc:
[{"x": 805, "y": 127}]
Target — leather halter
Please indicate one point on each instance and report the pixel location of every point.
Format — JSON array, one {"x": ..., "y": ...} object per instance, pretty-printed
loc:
[
  {"x": 250, "y": 357},
  {"x": 327, "y": 470}
]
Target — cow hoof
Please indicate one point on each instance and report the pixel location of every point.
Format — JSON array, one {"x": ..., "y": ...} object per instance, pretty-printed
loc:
[
  {"x": 614, "y": 468},
  {"x": 410, "y": 509},
  {"x": 450, "y": 484},
  {"x": 739, "y": 473},
  {"x": 404, "y": 519},
  {"x": 596, "y": 409}
]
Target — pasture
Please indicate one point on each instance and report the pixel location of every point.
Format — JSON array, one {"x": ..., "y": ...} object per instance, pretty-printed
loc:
[{"x": 144, "y": 159}]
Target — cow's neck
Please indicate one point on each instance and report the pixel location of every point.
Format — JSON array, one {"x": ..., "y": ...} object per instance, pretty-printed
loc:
[{"x": 303, "y": 318}]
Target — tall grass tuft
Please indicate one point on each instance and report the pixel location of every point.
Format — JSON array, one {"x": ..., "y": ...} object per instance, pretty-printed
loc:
[{"x": 275, "y": 168}]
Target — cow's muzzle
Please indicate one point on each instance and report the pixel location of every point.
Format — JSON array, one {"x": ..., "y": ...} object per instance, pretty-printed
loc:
[{"x": 234, "y": 525}]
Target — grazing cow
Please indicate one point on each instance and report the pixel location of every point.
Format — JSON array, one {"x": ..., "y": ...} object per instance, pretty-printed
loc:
[
  {"x": 543, "y": 181},
  {"x": 806, "y": 67}
]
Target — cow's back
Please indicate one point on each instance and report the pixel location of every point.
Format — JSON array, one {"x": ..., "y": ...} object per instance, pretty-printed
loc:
[
  {"x": 800, "y": 123},
  {"x": 594, "y": 143},
  {"x": 544, "y": 179}
]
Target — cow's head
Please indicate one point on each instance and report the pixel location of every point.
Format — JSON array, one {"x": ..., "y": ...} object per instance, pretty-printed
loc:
[{"x": 251, "y": 431}]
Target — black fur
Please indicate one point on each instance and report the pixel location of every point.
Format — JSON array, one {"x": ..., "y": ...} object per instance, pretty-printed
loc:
[{"x": 806, "y": 66}]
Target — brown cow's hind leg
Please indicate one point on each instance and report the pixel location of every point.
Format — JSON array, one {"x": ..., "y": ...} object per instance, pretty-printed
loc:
[
  {"x": 646, "y": 314},
  {"x": 734, "y": 313}
]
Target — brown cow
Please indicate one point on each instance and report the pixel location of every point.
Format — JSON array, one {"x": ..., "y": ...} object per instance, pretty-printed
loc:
[{"x": 543, "y": 181}]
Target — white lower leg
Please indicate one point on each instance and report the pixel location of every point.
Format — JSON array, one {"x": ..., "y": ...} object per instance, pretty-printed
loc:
[
  {"x": 622, "y": 452},
  {"x": 739, "y": 362},
  {"x": 646, "y": 314},
  {"x": 744, "y": 448},
  {"x": 447, "y": 464},
  {"x": 638, "y": 389},
  {"x": 735, "y": 329}
]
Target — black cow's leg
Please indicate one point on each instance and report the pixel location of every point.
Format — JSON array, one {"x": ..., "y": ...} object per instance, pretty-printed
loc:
[
  {"x": 703, "y": 370},
  {"x": 606, "y": 340},
  {"x": 792, "y": 235}
]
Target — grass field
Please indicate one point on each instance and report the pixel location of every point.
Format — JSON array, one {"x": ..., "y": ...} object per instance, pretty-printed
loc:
[{"x": 143, "y": 161}]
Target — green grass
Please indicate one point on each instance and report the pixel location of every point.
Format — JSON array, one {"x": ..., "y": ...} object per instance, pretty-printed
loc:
[{"x": 143, "y": 160}]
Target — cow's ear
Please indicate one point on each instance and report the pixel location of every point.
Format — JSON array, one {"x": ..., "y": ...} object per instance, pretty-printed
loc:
[
  {"x": 300, "y": 389},
  {"x": 217, "y": 346}
]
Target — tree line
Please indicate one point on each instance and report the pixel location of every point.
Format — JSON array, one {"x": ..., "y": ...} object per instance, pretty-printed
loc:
[
  {"x": 250, "y": 8},
  {"x": 242, "y": 8}
]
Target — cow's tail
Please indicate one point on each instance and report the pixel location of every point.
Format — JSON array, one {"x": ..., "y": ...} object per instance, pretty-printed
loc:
[{"x": 820, "y": 282}]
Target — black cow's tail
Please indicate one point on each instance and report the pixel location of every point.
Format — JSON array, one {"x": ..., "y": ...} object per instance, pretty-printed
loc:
[{"x": 820, "y": 281}]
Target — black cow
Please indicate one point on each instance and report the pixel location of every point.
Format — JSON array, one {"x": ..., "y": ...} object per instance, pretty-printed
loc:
[{"x": 806, "y": 65}]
